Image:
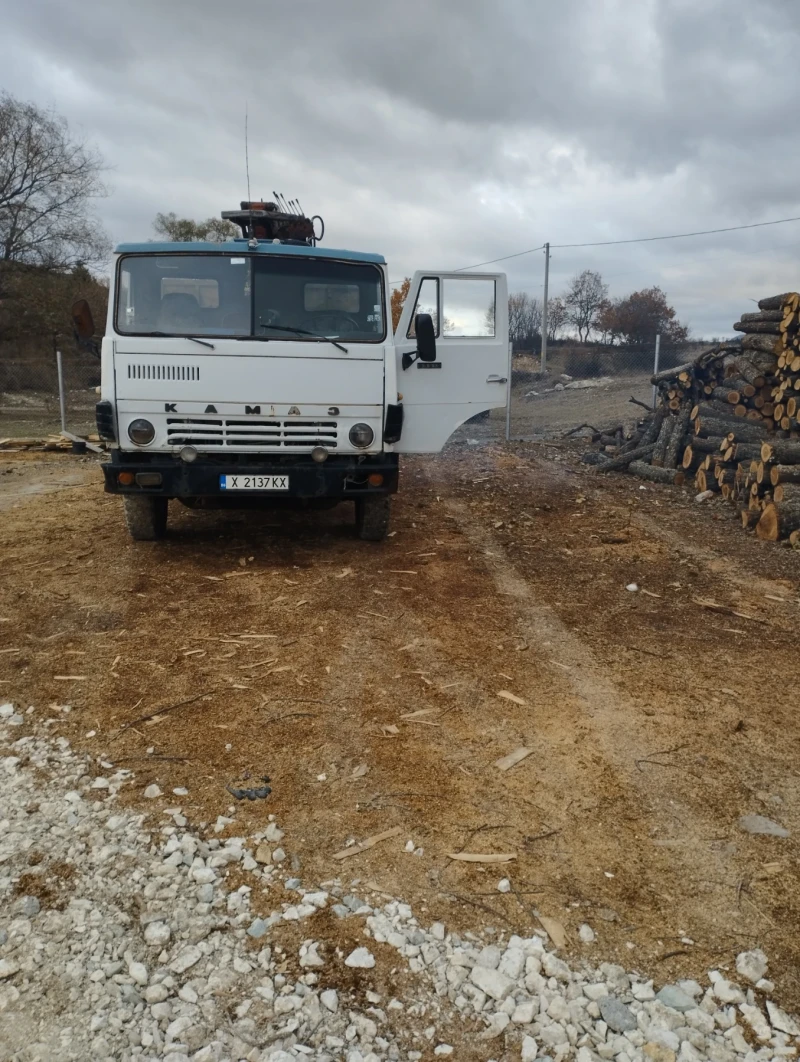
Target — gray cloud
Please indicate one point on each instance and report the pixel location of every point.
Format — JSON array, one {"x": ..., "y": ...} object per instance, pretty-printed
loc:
[{"x": 451, "y": 132}]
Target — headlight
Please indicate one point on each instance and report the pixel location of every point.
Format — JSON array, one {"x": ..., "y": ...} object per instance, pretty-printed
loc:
[
  {"x": 141, "y": 432},
  {"x": 361, "y": 435}
]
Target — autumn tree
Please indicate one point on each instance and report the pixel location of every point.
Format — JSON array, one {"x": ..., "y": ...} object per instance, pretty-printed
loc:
[
  {"x": 186, "y": 230},
  {"x": 641, "y": 316},
  {"x": 399, "y": 296},
  {"x": 48, "y": 182},
  {"x": 584, "y": 296}
]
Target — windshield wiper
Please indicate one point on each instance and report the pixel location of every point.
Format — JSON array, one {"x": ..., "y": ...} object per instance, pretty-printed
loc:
[
  {"x": 304, "y": 332},
  {"x": 172, "y": 335}
]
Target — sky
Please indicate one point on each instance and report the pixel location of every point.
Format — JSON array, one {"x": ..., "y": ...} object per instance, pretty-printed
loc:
[{"x": 443, "y": 133}]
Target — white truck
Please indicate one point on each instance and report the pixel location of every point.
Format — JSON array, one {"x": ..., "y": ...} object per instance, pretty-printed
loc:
[{"x": 264, "y": 369}]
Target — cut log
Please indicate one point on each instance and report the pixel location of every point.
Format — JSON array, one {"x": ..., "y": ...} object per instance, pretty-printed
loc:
[
  {"x": 705, "y": 481},
  {"x": 766, "y": 315},
  {"x": 664, "y": 436},
  {"x": 784, "y": 453},
  {"x": 728, "y": 394},
  {"x": 775, "y": 302},
  {"x": 749, "y": 518},
  {"x": 624, "y": 460},
  {"x": 667, "y": 375},
  {"x": 758, "y": 327},
  {"x": 762, "y": 344},
  {"x": 677, "y": 437},
  {"x": 656, "y": 475},
  {"x": 744, "y": 452},
  {"x": 741, "y": 430},
  {"x": 778, "y": 521},
  {"x": 786, "y": 493},
  {"x": 715, "y": 408},
  {"x": 794, "y": 540},
  {"x": 654, "y": 426}
]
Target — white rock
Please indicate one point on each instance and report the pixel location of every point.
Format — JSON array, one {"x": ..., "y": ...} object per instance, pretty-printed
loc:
[
  {"x": 278, "y": 855},
  {"x": 524, "y": 1013},
  {"x": 504, "y": 885},
  {"x": 8, "y": 968},
  {"x": 273, "y": 833},
  {"x": 756, "y": 1020},
  {"x": 360, "y": 959},
  {"x": 309, "y": 957},
  {"x": 443, "y": 1049},
  {"x": 157, "y": 934},
  {"x": 330, "y": 1000},
  {"x": 752, "y": 965},
  {"x": 138, "y": 972},
  {"x": 530, "y": 1049},
  {"x": 587, "y": 934},
  {"x": 6, "y": 710},
  {"x": 156, "y": 993},
  {"x": 632, "y": 587},
  {"x": 492, "y": 982},
  {"x": 186, "y": 958},
  {"x": 728, "y": 992},
  {"x": 152, "y": 792},
  {"x": 781, "y": 1020}
]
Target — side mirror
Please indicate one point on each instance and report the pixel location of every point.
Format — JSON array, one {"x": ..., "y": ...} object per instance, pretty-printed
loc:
[
  {"x": 426, "y": 337},
  {"x": 82, "y": 320}
]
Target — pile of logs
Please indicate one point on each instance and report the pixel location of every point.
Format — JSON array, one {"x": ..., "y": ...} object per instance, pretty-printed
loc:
[{"x": 729, "y": 422}]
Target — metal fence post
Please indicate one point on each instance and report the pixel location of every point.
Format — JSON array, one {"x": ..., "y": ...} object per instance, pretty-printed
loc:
[
  {"x": 655, "y": 369},
  {"x": 543, "y": 365},
  {"x": 62, "y": 400},
  {"x": 508, "y": 391}
]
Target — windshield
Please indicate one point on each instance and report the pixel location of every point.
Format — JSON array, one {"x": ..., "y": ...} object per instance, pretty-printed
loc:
[{"x": 266, "y": 297}]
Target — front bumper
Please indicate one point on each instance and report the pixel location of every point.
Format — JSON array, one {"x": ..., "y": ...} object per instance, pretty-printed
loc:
[{"x": 338, "y": 477}]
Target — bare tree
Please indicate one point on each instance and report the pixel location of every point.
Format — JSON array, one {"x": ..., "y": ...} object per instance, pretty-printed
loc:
[
  {"x": 557, "y": 317},
  {"x": 585, "y": 295},
  {"x": 48, "y": 180},
  {"x": 185, "y": 230},
  {"x": 524, "y": 320}
]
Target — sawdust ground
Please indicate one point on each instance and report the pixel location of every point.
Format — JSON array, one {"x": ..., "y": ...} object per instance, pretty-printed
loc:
[{"x": 654, "y": 721}]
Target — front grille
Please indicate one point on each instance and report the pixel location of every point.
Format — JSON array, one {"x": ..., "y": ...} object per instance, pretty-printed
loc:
[
  {"x": 250, "y": 433},
  {"x": 154, "y": 371}
]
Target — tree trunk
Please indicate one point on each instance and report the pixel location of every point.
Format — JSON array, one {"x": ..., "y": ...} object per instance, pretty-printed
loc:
[
  {"x": 784, "y": 474},
  {"x": 677, "y": 438},
  {"x": 742, "y": 430},
  {"x": 766, "y": 315},
  {"x": 625, "y": 459},
  {"x": 775, "y": 302},
  {"x": 654, "y": 426},
  {"x": 786, "y": 494},
  {"x": 656, "y": 475},
  {"x": 672, "y": 374},
  {"x": 761, "y": 344},
  {"x": 771, "y": 328},
  {"x": 778, "y": 521},
  {"x": 785, "y": 453},
  {"x": 664, "y": 436}
]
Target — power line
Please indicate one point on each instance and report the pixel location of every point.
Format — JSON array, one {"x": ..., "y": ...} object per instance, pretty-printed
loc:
[
  {"x": 679, "y": 235},
  {"x": 640, "y": 239}
]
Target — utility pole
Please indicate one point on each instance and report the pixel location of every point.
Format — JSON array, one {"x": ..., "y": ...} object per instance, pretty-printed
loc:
[
  {"x": 544, "y": 308},
  {"x": 655, "y": 369}
]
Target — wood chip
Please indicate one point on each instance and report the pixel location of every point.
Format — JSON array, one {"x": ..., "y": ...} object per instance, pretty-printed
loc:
[
  {"x": 511, "y": 697},
  {"x": 401, "y": 571},
  {"x": 390, "y": 729},
  {"x": 505, "y": 763},
  {"x": 554, "y": 929},
  {"x": 420, "y": 713},
  {"x": 369, "y": 842},
  {"x": 482, "y": 857},
  {"x": 650, "y": 593},
  {"x": 360, "y": 771},
  {"x": 69, "y": 678}
]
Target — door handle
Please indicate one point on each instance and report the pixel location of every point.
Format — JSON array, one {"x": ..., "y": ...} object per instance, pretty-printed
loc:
[{"x": 496, "y": 379}]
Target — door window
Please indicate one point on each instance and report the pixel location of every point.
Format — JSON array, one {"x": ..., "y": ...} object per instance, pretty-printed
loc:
[
  {"x": 427, "y": 302},
  {"x": 468, "y": 306}
]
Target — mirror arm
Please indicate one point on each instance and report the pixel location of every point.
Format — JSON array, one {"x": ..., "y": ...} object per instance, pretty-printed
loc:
[{"x": 409, "y": 357}]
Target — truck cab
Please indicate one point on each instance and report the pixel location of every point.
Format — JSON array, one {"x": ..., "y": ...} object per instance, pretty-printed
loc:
[{"x": 266, "y": 370}]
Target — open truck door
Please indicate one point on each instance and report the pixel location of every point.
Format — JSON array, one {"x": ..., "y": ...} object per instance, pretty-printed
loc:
[{"x": 469, "y": 312}]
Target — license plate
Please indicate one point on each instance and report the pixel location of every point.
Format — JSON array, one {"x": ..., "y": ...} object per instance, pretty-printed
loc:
[{"x": 253, "y": 482}]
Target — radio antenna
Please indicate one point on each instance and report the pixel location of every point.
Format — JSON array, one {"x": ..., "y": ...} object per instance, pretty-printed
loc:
[{"x": 246, "y": 154}]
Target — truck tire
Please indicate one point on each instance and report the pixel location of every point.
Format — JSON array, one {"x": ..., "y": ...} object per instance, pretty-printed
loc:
[
  {"x": 145, "y": 516},
  {"x": 372, "y": 517}
]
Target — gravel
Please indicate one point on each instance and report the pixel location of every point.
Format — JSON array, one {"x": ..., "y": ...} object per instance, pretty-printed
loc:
[{"x": 123, "y": 941}]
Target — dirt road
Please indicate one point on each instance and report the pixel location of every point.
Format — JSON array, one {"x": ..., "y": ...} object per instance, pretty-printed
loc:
[{"x": 371, "y": 683}]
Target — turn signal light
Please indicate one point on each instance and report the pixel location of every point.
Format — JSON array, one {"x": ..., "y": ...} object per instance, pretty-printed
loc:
[
  {"x": 375, "y": 480},
  {"x": 126, "y": 479}
]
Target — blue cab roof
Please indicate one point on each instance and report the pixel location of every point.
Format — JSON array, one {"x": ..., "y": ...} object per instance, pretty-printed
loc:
[{"x": 239, "y": 247}]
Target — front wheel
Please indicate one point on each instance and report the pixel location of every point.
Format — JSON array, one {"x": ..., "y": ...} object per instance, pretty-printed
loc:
[
  {"x": 372, "y": 517},
  {"x": 145, "y": 516}
]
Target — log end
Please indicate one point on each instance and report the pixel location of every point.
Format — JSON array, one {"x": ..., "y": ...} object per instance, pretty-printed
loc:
[{"x": 768, "y": 527}]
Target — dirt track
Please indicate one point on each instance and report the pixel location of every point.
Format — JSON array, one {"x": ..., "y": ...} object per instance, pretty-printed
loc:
[{"x": 313, "y": 647}]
